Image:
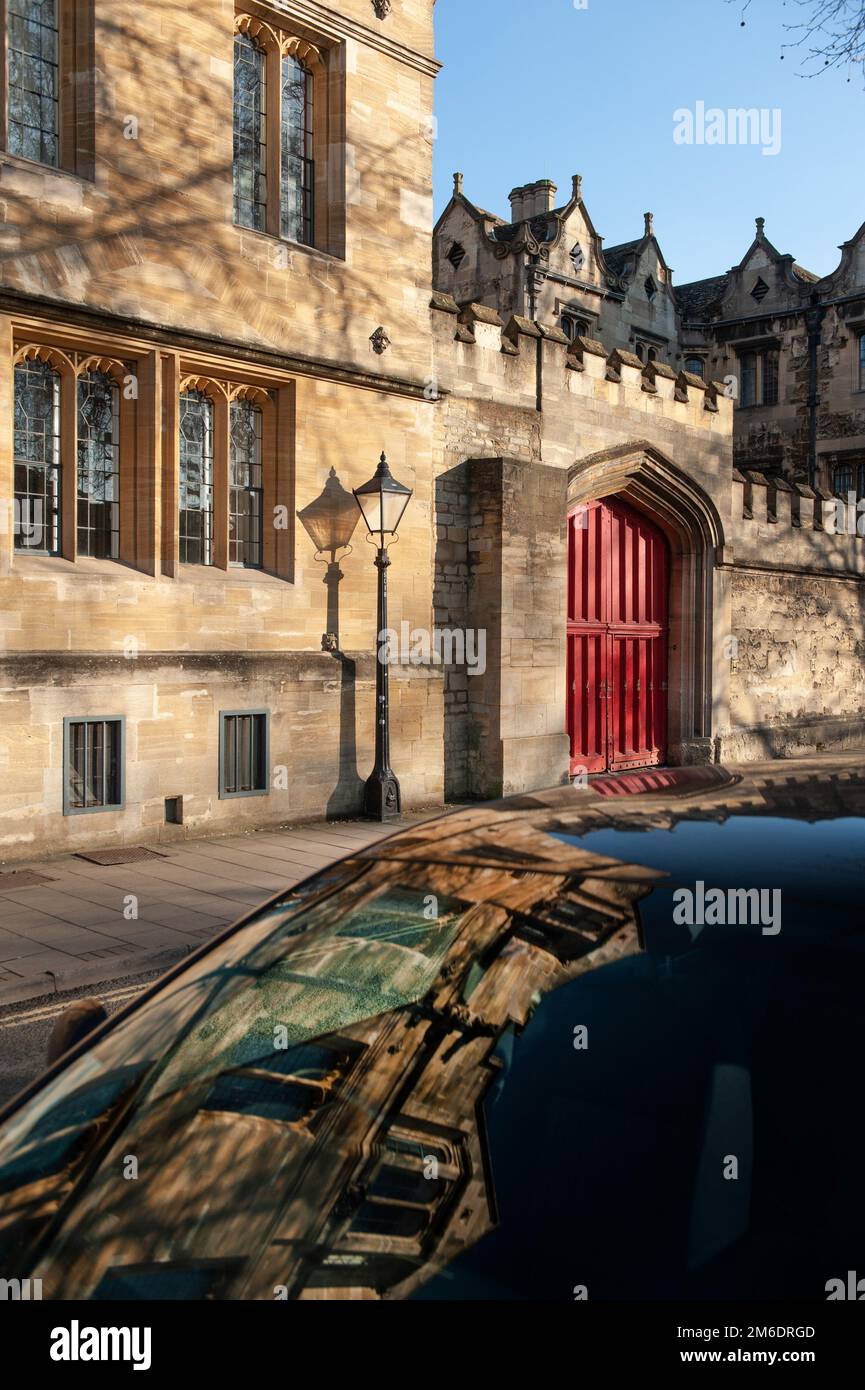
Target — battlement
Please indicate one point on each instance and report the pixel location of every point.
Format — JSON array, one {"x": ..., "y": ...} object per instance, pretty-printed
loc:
[
  {"x": 516, "y": 358},
  {"x": 779, "y": 523}
]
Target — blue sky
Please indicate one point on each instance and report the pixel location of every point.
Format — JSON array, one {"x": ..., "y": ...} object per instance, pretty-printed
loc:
[{"x": 535, "y": 89}]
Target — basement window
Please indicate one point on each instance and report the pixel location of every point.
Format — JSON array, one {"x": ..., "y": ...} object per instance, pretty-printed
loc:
[
  {"x": 457, "y": 255},
  {"x": 92, "y": 765},
  {"x": 243, "y": 753}
]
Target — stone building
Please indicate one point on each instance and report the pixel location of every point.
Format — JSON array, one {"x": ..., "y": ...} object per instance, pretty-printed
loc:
[
  {"x": 788, "y": 344},
  {"x": 217, "y": 309}
]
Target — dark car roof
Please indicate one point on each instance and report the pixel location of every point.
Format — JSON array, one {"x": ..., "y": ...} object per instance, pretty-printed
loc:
[{"x": 524, "y": 832}]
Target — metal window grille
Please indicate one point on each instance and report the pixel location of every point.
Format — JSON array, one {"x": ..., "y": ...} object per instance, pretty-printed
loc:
[
  {"x": 243, "y": 753},
  {"x": 93, "y": 764}
]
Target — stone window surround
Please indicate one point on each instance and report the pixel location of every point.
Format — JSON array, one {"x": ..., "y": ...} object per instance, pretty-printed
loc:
[
  {"x": 277, "y": 42},
  {"x": 759, "y": 348},
  {"x": 115, "y": 804},
  {"x": 77, "y": 95},
  {"x": 150, "y": 457}
]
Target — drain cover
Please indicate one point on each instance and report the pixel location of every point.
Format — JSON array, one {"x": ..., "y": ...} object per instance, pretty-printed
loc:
[
  {"x": 22, "y": 878},
  {"x": 120, "y": 856}
]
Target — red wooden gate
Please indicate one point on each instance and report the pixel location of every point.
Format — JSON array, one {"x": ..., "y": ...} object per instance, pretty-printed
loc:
[{"x": 617, "y": 638}]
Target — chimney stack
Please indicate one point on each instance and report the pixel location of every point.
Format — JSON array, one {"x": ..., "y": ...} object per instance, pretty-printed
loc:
[
  {"x": 532, "y": 199},
  {"x": 540, "y": 198},
  {"x": 518, "y": 198}
]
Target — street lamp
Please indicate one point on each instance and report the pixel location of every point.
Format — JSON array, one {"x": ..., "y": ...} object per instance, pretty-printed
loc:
[{"x": 382, "y": 502}]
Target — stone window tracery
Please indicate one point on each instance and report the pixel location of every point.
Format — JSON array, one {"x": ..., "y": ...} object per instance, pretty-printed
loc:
[{"x": 279, "y": 154}]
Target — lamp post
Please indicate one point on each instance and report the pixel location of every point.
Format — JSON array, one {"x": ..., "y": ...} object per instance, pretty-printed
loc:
[{"x": 382, "y": 502}]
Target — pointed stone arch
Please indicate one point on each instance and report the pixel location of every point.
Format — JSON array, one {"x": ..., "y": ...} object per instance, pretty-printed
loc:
[{"x": 645, "y": 477}]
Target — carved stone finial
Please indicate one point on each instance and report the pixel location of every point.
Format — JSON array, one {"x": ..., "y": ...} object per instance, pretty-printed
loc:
[
  {"x": 380, "y": 341},
  {"x": 458, "y": 185},
  {"x": 649, "y": 223},
  {"x": 576, "y": 187},
  {"x": 382, "y": 8},
  {"x": 761, "y": 222}
]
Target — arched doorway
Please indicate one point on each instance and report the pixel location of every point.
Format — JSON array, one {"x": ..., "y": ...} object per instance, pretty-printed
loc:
[
  {"x": 618, "y": 604},
  {"x": 667, "y": 498}
]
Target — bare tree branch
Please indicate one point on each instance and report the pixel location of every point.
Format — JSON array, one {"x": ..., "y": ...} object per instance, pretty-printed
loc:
[{"x": 829, "y": 34}]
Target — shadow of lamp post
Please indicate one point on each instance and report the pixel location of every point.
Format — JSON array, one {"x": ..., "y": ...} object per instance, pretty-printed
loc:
[
  {"x": 382, "y": 502},
  {"x": 330, "y": 521}
]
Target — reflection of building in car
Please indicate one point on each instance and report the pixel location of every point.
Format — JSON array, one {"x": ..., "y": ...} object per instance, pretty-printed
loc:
[
  {"x": 369, "y": 1089},
  {"x": 350, "y": 1159}
]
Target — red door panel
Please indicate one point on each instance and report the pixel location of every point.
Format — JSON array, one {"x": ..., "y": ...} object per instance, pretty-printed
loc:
[
  {"x": 587, "y": 703},
  {"x": 617, "y": 638}
]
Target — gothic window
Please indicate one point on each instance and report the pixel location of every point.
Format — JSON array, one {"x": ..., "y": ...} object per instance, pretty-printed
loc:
[
  {"x": 250, "y": 134},
  {"x": 37, "y": 457},
  {"x": 33, "y": 80},
  {"x": 650, "y": 287},
  {"x": 275, "y": 132},
  {"x": 196, "y": 478},
  {"x": 245, "y": 485},
  {"x": 98, "y": 466},
  {"x": 646, "y": 352},
  {"x": 578, "y": 258},
  {"x": 298, "y": 169},
  {"x": 573, "y": 327}
]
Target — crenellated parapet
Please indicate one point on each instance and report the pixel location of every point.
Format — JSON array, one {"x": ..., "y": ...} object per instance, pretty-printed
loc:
[
  {"x": 777, "y": 523},
  {"x": 511, "y": 355}
]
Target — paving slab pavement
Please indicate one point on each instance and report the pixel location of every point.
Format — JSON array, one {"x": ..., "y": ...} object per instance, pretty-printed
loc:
[{"x": 93, "y": 922}]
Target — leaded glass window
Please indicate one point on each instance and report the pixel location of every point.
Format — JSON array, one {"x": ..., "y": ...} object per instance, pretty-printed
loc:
[
  {"x": 245, "y": 485},
  {"x": 37, "y": 457},
  {"x": 862, "y": 361},
  {"x": 250, "y": 134},
  {"x": 196, "y": 478},
  {"x": 297, "y": 169},
  {"x": 98, "y": 466},
  {"x": 33, "y": 80}
]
